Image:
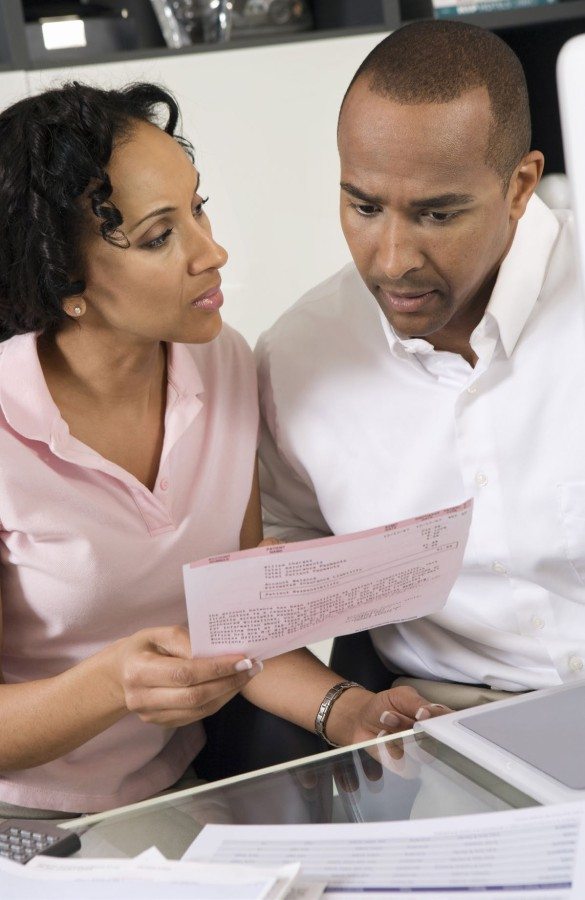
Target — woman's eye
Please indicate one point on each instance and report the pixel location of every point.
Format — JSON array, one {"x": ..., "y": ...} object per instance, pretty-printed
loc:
[
  {"x": 160, "y": 240},
  {"x": 365, "y": 209},
  {"x": 198, "y": 208}
]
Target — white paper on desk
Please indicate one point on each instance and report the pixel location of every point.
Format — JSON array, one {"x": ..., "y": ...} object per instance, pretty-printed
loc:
[
  {"x": 146, "y": 878},
  {"x": 269, "y": 600},
  {"x": 528, "y": 854},
  {"x": 281, "y": 889}
]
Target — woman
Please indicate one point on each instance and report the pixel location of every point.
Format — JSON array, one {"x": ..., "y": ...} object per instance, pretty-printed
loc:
[{"x": 128, "y": 427}]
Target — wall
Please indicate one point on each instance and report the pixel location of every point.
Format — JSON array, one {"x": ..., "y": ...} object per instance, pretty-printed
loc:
[
  {"x": 263, "y": 122},
  {"x": 13, "y": 85}
]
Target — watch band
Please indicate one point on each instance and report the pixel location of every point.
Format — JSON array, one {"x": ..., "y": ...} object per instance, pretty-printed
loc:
[{"x": 328, "y": 700}]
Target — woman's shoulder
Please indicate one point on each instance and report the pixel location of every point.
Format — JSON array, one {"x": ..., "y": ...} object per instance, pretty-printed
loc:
[
  {"x": 224, "y": 369},
  {"x": 229, "y": 350}
]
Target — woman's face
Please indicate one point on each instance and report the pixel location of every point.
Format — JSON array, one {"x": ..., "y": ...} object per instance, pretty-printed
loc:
[{"x": 165, "y": 286}]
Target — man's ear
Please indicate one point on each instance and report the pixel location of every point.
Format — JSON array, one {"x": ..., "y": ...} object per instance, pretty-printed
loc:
[{"x": 524, "y": 182}]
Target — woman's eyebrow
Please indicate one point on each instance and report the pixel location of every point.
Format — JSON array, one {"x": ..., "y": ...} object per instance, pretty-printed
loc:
[
  {"x": 162, "y": 210},
  {"x": 151, "y": 215}
]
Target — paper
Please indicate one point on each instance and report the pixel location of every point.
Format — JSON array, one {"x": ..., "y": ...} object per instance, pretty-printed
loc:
[
  {"x": 146, "y": 878},
  {"x": 529, "y": 854},
  {"x": 269, "y": 600}
]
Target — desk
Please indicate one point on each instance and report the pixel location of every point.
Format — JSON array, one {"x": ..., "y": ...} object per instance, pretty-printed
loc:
[{"x": 419, "y": 778}]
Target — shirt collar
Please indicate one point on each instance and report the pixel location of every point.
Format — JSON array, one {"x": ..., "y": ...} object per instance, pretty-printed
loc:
[
  {"x": 26, "y": 402},
  {"x": 184, "y": 384},
  {"x": 517, "y": 288},
  {"x": 523, "y": 271},
  {"x": 182, "y": 373}
]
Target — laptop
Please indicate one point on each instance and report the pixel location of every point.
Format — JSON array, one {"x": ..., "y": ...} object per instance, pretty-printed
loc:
[{"x": 535, "y": 741}]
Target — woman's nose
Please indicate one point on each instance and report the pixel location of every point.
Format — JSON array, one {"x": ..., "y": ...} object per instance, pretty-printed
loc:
[{"x": 206, "y": 253}]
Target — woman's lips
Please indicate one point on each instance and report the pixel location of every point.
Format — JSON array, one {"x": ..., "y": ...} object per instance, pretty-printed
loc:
[
  {"x": 211, "y": 301},
  {"x": 407, "y": 303}
]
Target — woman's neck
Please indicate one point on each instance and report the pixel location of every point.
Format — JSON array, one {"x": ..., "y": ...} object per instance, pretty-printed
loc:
[{"x": 97, "y": 367}]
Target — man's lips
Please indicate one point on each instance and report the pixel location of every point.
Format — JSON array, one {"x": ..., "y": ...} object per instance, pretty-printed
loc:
[
  {"x": 211, "y": 300},
  {"x": 407, "y": 302}
]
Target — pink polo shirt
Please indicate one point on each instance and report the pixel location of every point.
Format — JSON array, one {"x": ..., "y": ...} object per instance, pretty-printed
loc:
[{"x": 88, "y": 554}]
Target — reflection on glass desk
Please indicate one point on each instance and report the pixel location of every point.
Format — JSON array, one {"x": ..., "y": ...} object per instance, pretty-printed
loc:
[{"x": 407, "y": 777}]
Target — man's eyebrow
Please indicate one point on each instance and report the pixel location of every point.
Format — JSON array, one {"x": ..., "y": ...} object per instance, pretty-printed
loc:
[
  {"x": 162, "y": 210},
  {"x": 359, "y": 194},
  {"x": 441, "y": 201}
]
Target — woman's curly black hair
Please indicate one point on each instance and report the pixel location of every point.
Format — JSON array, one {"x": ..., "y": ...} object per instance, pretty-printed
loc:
[{"x": 53, "y": 147}]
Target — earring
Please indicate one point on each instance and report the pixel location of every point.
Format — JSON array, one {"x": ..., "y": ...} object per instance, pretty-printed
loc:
[{"x": 75, "y": 311}]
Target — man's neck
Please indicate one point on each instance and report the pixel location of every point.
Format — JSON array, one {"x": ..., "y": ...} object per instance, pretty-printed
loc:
[
  {"x": 455, "y": 336},
  {"x": 455, "y": 344}
]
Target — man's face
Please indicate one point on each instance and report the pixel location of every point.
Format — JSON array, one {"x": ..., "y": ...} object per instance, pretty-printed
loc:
[{"x": 425, "y": 217}]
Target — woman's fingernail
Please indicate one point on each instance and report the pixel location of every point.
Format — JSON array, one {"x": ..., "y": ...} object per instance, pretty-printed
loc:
[
  {"x": 390, "y": 719},
  {"x": 243, "y": 665},
  {"x": 441, "y": 706},
  {"x": 256, "y": 668},
  {"x": 382, "y": 734},
  {"x": 422, "y": 714}
]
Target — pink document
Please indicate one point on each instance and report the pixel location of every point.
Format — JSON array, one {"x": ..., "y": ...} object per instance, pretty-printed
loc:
[{"x": 270, "y": 600}]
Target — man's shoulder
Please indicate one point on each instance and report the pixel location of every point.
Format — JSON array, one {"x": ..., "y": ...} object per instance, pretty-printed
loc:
[{"x": 320, "y": 315}]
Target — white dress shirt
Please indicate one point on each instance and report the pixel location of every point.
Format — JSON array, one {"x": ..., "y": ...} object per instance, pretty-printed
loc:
[{"x": 362, "y": 428}]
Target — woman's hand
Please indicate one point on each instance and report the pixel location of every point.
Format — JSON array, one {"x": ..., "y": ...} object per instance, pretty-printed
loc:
[
  {"x": 156, "y": 677},
  {"x": 359, "y": 715}
]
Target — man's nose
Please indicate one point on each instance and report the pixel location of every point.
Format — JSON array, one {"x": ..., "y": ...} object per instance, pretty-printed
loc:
[{"x": 399, "y": 251}]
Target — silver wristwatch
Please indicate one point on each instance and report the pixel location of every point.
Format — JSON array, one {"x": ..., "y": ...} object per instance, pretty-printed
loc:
[{"x": 328, "y": 700}]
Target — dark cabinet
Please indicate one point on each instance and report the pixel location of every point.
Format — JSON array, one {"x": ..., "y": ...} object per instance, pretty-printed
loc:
[{"x": 128, "y": 29}]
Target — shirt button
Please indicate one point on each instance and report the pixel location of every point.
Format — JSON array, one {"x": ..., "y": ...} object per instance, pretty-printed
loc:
[
  {"x": 499, "y": 568},
  {"x": 472, "y": 389},
  {"x": 164, "y": 484},
  {"x": 481, "y": 479},
  {"x": 575, "y": 663},
  {"x": 537, "y": 622}
]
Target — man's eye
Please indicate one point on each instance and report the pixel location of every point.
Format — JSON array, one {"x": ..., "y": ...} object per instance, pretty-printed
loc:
[
  {"x": 365, "y": 209},
  {"x": 440, "y": 217}
]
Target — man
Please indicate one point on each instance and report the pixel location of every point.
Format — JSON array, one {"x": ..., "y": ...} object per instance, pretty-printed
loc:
[{"x": 448, "y": 361}]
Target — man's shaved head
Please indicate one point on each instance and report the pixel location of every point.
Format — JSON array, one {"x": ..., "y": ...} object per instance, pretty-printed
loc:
[{"x": 437, "y": 62}]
